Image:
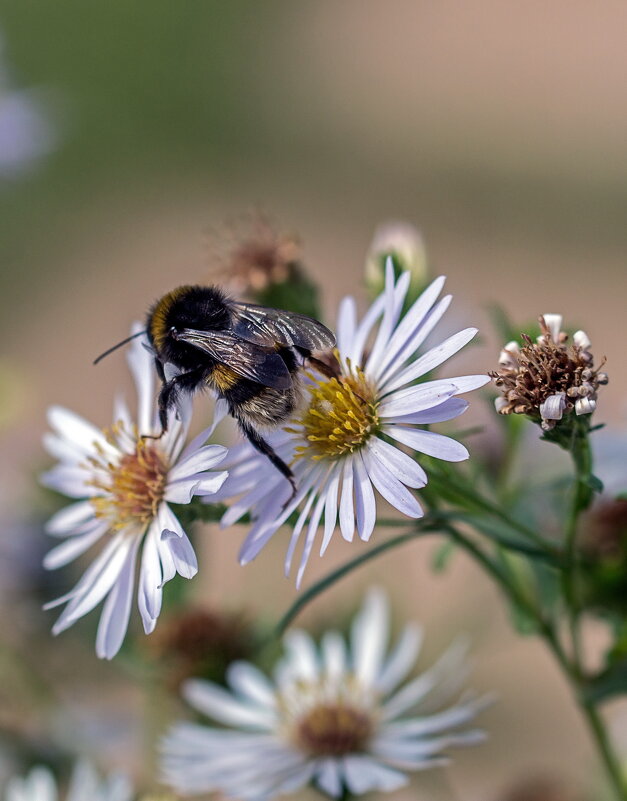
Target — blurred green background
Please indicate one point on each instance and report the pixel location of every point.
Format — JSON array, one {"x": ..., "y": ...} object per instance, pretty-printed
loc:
[{"x": 499, "y": 129}]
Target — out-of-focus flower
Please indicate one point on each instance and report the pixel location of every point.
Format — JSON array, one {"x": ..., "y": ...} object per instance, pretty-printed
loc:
[
  {"x": 338, "y": 443},
  {"x": 85, "y": 785},
  {"x": 203, "y": 642},
  {"x": 550, "y": 377},
  {"x": 540, "y": 790},
  {"x": 336, "y": 715},
  {"x": 402, "y": 242},
  {"x": 126, "y": 481},
  {"x": 252, "y": 255},
  {"x": 26, "y": 132}
]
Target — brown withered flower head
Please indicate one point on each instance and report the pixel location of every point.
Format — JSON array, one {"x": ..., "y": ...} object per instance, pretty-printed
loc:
[
  {"x": 550, "y": 377},
  {"x": 250, "y": 255},
  {"x": 203, "y": 642},
  {"x": 541, "y": 789}
]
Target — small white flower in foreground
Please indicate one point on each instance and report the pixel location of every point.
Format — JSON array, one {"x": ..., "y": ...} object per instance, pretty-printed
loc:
[
  {"x": 40, "y": 785},
  {"x": 337, "y": 715},
  {"x": 339, "y": 446},
  {"x": 126, "y": 483}
]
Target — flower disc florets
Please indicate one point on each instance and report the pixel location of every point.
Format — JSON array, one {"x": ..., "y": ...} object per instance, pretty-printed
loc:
[
  {"x": 549, "y": 377},
  {"x": 340, "y": 416}
]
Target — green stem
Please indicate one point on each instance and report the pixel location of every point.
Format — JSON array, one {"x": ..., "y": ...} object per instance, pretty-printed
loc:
[{"x": 335, "y": 575}]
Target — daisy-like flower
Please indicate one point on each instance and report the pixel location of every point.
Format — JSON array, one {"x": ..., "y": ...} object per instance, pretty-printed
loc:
[
  {"x": 340, "y": 444},
  {"x": 548, "y": 378},
  {"x": 85, "y": 785},
  {"x": 337, "y": 715},
  {"x": 125, "y": 482}
]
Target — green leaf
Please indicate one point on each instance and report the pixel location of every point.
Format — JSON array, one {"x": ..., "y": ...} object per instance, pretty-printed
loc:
[
  {"x": 442, "y": 556},
  {"x": 608, "y": 684}
]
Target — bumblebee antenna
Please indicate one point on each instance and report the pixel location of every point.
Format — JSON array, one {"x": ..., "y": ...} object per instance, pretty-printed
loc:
[{"x": 119, "y": 345}]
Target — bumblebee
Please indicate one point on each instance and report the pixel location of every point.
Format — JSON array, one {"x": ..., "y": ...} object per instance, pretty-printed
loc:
[{"x": 249, "y": 355}]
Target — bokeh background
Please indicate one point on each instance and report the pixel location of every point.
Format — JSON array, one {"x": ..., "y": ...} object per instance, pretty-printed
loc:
[{"x": 499, "y": 129}]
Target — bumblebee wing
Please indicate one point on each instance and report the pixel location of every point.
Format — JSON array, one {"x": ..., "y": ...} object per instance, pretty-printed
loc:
[
  {"x": 269, "y": 326},
  {"x": 250, "y": 360}
]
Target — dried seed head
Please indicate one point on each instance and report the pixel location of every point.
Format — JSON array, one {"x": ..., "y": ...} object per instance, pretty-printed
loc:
[
  {"x": 250, "y": 255},
  {"x": 203, "y": 642},
  {"x": 604, "y": 530},
  {"x": 550, "y": 377}
]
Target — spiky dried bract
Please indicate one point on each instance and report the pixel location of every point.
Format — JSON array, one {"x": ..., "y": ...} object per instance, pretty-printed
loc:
[{"x": 550, "y": 377}]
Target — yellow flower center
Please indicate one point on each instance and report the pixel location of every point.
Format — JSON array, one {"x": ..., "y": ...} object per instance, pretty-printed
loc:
[
  {"x": 134, "y": 486},
  {"x": 333, "y": 729},
  {"x": 340, "y": 416}
]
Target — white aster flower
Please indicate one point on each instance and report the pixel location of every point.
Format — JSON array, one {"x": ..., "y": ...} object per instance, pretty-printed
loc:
[
  {"x": 337, "y": 715},
  {"x": 126, "y": 483},
  {"x": 85, "y": 785},
  {"x": 340, "y": 445}
]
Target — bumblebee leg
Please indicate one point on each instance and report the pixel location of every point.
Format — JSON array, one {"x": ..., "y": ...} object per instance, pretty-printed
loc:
[
  {"x": 170, "y": 391},
  {"x": 258, "y": 442}
]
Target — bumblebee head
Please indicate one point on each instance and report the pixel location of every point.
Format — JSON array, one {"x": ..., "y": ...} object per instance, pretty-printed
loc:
[{"x": 198, "y": 307}]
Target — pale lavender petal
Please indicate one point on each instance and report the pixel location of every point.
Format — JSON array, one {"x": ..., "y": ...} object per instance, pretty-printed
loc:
[
  {"x": 365, "y": 504},
  {"x": 346, "y": 325},
  {"x": 416, "y": 399},
  {"x": 399, "y": 464},
  {"x": 433, "y": 358},
  {"x": 117, "y": 609},
  {"x": 330, "y": 509},
  {"x": 347, "y": 510},
  {"x": 448, "y": 410},
  {"x": 430, "y": 443},
  {"x": 394, "y": 492},
  {"x": 73, "y": 547}
]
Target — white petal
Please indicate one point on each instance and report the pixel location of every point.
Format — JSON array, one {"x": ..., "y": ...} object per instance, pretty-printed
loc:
[
  {"x": 69, "y": 480},
  {"x": 394, "y": 492},
  {"x": 346, "y": 324},
  {"x": 298, "y": 528},
  {"x": 301, "y": 655},
  {"x": 249, "y": 681},
  {"x": 365, "y": 504},
  {"x": 73, "y": 547},
  {"x": 183, "y": 555},
  {"x": 401, "y": 660},
  {"x": 369, "y": 637},
  {"x": 96, "y": 583},
  {"x": 203, "y": 459},
  {"x": 399, "y": 464},
  {"x": 433, "y": 358},
  {"x": 364, "y": 328},
  {"x": 141, "y": 365},
  {"x": 333, "y": 650},
  {"x": 150, "y": 576},
  {"x": 78, "y": 431},
  {"x": 448, "y": 410},
  {"x": 312, "y": 529},
  {"x": 582, "y": 340},
  {"x": 416, "y": 399},
  {"x": 585, "y": 406},
  {"x": 394, "y": 298},
  {"x": 363, "y": 774},
  {"x": 117, "y": 609},
  {"x": 408, "y": 335},
  {"x": 430, "y": 443},
  {"x": 553, "y": 407},
  {"x": 554, "y": 324},
  {"x": 222, "y": 706},
  {"x": 328, "y": 777},
  {"x": 330, "y": 509},
  {"x": 347, "y": 511},
  {"x": 68, "y": 518}
]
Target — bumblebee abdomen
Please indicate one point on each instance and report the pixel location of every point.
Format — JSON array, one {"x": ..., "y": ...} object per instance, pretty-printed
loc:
[{"x": 261, "y": 406}]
